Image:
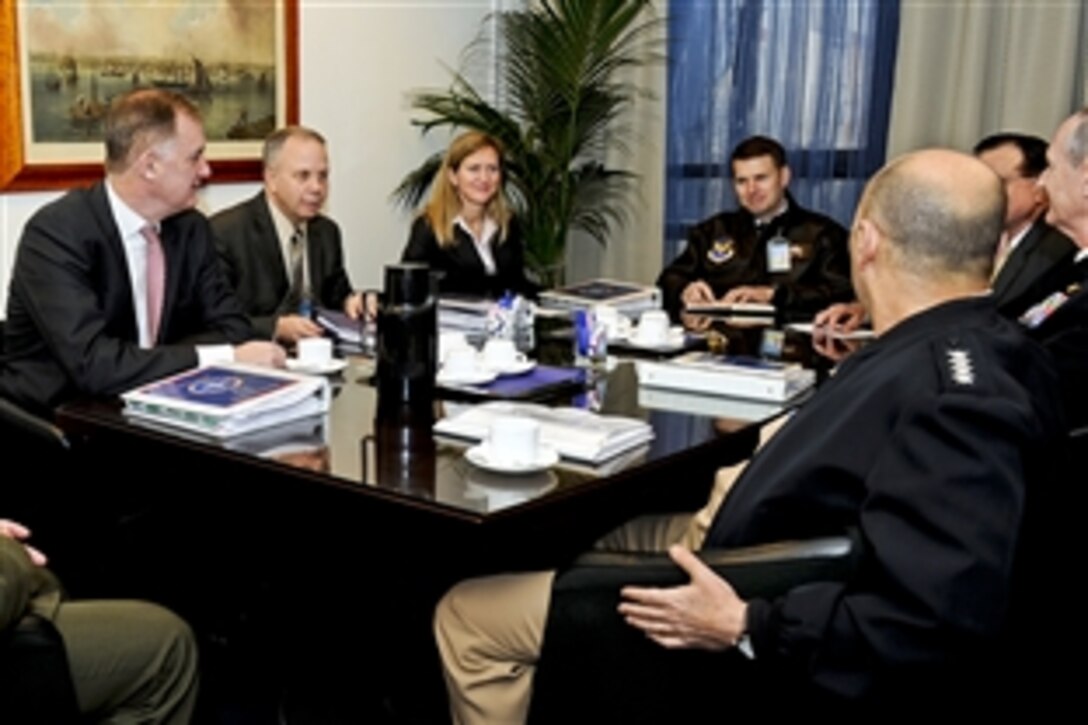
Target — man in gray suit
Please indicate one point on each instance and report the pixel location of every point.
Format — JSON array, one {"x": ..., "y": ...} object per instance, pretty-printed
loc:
[{"x": 282, "y": 256}]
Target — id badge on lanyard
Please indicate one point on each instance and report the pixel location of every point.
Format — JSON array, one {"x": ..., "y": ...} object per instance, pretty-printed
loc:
[{"x": 778, "y": 254}]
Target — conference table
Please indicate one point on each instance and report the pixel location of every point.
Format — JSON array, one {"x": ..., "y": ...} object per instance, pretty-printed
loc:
[
  {"x": 352, "y": 479},
  {"x": 376, "y": 516}
]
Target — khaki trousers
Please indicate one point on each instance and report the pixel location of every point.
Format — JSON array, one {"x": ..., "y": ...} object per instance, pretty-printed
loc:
[
  {"x": 131, "y": 662},
  {"x": 490, "y": 630}
]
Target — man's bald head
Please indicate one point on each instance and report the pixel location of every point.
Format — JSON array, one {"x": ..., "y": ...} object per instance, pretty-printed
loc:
[{"x": 941, "y": 210}]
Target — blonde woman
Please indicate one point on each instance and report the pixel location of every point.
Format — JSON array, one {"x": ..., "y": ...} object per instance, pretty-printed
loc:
[{"x": 466, "y": 231}]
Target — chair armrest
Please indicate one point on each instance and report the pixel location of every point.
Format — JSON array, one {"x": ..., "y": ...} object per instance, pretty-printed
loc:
[
  {"x": 766, "y": 570},
  {"x": 594, "y": 667},
  {"x": 15, "y": 419}
]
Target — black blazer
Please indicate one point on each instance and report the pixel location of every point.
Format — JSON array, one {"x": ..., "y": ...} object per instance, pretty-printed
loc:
[
  {"x": 1043, "y": 255},
  {"x": 462, "y": 270},
  {"x": 71, "y": 327},
  {"x": 249, "y": 251},
  {"x": 1064, "y": 333}
]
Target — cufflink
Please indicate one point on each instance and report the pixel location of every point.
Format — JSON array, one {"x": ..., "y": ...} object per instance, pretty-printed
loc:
[{"x": 744, "y": 644}]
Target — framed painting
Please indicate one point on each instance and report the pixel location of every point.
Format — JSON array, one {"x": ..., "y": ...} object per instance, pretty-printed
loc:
[{"x": 62, "y": 61}]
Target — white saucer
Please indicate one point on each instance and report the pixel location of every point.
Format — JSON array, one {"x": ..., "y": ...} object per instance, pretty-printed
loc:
[
  {"x": 479, "y": 455},
  {"x": 671, "y": 342},
  {"x": 518, "y": 367},
  {"x": 480, "y": 376},
  {"x": 500, "y": 490},
  {"x": 333, "y": 365}
]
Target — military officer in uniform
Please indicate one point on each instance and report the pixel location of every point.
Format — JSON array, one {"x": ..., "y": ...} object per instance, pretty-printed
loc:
[{"x": 769, "y": 251}]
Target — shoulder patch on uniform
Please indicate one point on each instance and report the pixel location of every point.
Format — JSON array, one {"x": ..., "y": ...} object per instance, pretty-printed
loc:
[
  {"x": 963, "y": 364},
  {"x": 721, "y": 251},
  {"x": 961, "y": 369}
]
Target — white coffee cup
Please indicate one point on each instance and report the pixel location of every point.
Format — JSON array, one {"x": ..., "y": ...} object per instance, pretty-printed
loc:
[
  {"x": 460, "y": 362},
  {"x": 450, "y": 340},
  {"x": 615, "y": 323},
  {"x": 314, "y": 350},
  {"x": 499, "y": 354},
  {"x": 653, "y": 328},
  {"x": 513, "y": 440}
]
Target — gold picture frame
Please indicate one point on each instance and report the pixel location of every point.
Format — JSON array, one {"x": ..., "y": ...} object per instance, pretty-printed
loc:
[{"x": 26, "y": 163}]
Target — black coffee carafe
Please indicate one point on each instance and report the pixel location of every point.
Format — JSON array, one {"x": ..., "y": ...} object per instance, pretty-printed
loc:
[{"x": 406, "y": 349}]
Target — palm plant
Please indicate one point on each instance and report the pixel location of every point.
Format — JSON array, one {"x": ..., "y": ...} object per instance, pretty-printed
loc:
[{"x": 560, "y": 77}]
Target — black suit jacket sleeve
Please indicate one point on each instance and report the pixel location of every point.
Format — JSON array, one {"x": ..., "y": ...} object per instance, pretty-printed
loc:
[
  {"x": 683, "y": 270},
  {"x": 937, "y": 582},
  {"x": 460, "y": 267},
  {"x": 249, "y": 254},
  {"x": 328, "y": 277},
  {"x": 71, "y": 327}
]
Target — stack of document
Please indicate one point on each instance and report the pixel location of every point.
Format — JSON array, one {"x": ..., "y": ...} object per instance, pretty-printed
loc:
[
  {"x": 575, "y": 434},
  {"x": 342, "y": 327},
  {"x": 743, "y": 377},
  {"x": 464, "y": 314},
  {"x": 711, "y": 406},
  {"x": 627, "y": 297},
  {"x": 228, "y": 400}
]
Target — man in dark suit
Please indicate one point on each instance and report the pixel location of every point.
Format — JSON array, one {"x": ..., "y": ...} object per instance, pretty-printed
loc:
[
  {"x": 118, "y": 285},
  {"x": 1059, "y": 318},
  {"x": 1031, "y": 252},
  {"x": 278, "y": 251}
]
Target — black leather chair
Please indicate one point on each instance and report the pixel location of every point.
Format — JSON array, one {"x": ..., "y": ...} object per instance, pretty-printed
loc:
[
  {"x": 36, "y": 490},
  {"x": 35, "y": 681},
  {"x": 47, "y": 490},
  {"x": 595, "y": 668}
]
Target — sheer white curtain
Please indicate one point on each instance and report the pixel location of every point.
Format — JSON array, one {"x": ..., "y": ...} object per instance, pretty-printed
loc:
[{"x": 968, "y": 69}]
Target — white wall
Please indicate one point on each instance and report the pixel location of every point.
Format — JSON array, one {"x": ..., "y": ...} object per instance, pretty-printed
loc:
[{"x": 359, "y": 59}]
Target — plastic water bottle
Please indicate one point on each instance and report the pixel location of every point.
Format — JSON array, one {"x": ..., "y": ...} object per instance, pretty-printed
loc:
[
  {"x": 590, "y": 340},
  {"x": 502, "y": 318}
]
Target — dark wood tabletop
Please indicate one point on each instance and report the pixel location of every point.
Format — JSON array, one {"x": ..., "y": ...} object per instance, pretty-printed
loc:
[{"x": 378, "y": 473}]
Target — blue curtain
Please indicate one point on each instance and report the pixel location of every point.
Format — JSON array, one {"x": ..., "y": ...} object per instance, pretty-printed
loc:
[{"x": 815, "y": 75}]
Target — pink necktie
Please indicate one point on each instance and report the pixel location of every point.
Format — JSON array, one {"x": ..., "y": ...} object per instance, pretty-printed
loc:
[{"x": 156, "y": 282}]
